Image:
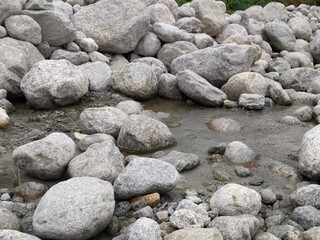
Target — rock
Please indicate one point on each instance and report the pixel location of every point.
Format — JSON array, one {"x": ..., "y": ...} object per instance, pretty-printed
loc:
[
  {"x": 304, "y": 114},
  {"x": 3, "y": 32},
  {"x": 265, "y": 236},
  {"x": 118, "y": 62},
  {"x": 236, "y": 227},
  {"x": 311, "y": 234},
  {"x": 156, "y": 65},
  {"x": 96, "y": 56},
  {"x": 4, "y": 119},
  {"x": 8, "y": 8},
  {"x": 143, "y": 229},
  {"x": 136, "y": 80},
  {"x": 273, "y": 11},
  {"x": 216, "y": 64},
  {"x": 39, "y": 5},
  {"x": 148, "y": 46},
  {"x": 237, "y": 152},
  {"x": 309, "y": 163},
  {"x": 233, "y": 199},
  {"x": 160, "y": 13},
  {"x": 281, "y": 36},
  {"x": 211, "y": 15},
  {"x": 224, "y": 125},
  {"x": 181, "y": 161},
  {"x": 130, "y": 107},
  {"x": 189, "y": 24},
  {"x": 314, "y": 48},
  {"x": 76, "y": 58},
  {"x": 16, "y": 235},
  {"x": 278, "y": 65},
  {"x": 300, "y": 27},
  {"x": 306, "y": 216},
  {"x": 143, "y": 212},
  {"x": 141, "y": 133},
  {"x": 152, "y": 199},
  {"x": 23, "y": 28},
  {"x": 86, "y": 203},
  {"x": 3, "y": 94},
  {"x": 88, "y": 45},
  {"x": 186, "y": 11},
  {"x": 198, "y": 89},
  {"x": 8, "y": 220},
  {"x": 101, "y": 21},
  {"x": 107, "y": 120},
  {"x": 300, "y": 79},
  {"x": 203, "y": 40},
  {"x": 280, "y": 230},
  {"x": 170, "y": 51},
  {"x": 231, "y": 30},
  {"x": 46, "y": 158},
  {"x": 168, "y": 87},
  {"x": 242, "y": 171},
  {"x": 252, "y": 101},
  {"x": 145, "y": 175},
  {"x": 53, "y": 83},
  {"x": 31, "y": 190},
  {"x": 185, "y": 218},
  {"x": 98, "y": 74},
  {"x": 85, "y": 142},
  {"x": 304, "y": 196},
  {"x": 56, "y": 29},
  {"x": 286, "y": 171},
  {"x": 163, "y": 216},
  {"x": 122, "y": 208},
  {"x": 267, "y": 196},
  {"x": 44, "y": 49},
  {"x": 169, "y": 33},
  {"x": 197, "y": 233}
]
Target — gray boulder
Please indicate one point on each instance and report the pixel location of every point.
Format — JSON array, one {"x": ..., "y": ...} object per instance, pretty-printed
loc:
[
  {"x": 53, "y": 83},
  {"x": 186, "y": 218},
  {"x": 16, "y": 235},
  {"x": 101, "y": 21},
  {"x": 195, "y": 233},
  {"x": 88, "y": 45},
  {"x": 252, "y": 101},
  {"x": 315, "y": 48},
  {"x": 141, "y": 133},
  {"x": 278, "y": 65},
  {"x": 101, "y": 160},
  {"x": 234, "y": 199},
  {"x": 46, "y": 158},
  {"x": 308, "y": 195},
  {"x": 202, "y": 40},
  {"x": 39, "y": 5},
  {"x": 299, "y": 59},
  {"x": 160, "y": 13},
  {"x": 23, "y": 28},
  {"x": 10, "y": 82},
  {"x": 189, "y": 24},
  {"x": 216, "y": 64},
  {"x": 169, "y": 33},
  {"x": 145, "y": 175},
  {"x": 85, "y": 142},
  {"x": 238, "y": 152},
  {"x": 130, "y": 107},
  {"x": 8, "y": 220},
  {"x": 304, "y": 114},
  {"x": 142, "y": 229},
  {"x": 274, "y": 11},
  {"x": 265, "y": 236},
  {"x": 311, "y": 234},
  {"x": 168, "y": 87},
  {"x": 280, "y": 230},
  {"x": 76, "y": 58},
  {"x": 224, "y": 125},
  {"x": 230, "y": 31},
  {"x": 107, "y": 120},
  {"x": 8, "y": 8},
  {"x": 300, "y": 27},
  {"x": 148, "y": 46},
  {"x": 198, "y": 89},
  {"x": 306, "y": 216},
  {"x": 3, "y": 32},
  {"x": 181, "y": 161},
  {"x": 86, "y": 204}
]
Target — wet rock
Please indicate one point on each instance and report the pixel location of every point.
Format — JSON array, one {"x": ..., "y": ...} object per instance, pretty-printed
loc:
[
  {"x": 160, "y": 13},
  {"x": 181, "y": 161},
  {"x": 197, "y": 233},
  {"x": 251, "y": 101},
  {"x": 304, "y": 196},
  {"x": 238, "y": 152},
  {"x": 265, "y": 236},
  {"x": 130, "y": 107},
  {"x": 304, "y": 114},
  {"x": 280, "y": 230},
  {"x": 145, "y": 175},
  {"x": 198, "y": 89},
  {"x": 185, "y": 218},
  {"x": 224, "y": 125},
  {"x": 168, "y": 87},
  {"x": 16, "y": 235},
  {"x": 267, "y": 196},
  {"x": 8, "y": 220},
  {"x": 306, "y": 216},
  {"x": 221, "y": 175},
  {"x": 143, "y": 229},
  {"x": 86, "y": 203},
  {"x": 101, "y": 21},
  {"x": 242, "y": 171},
  {"x": 298, "y": 59},
  {"x": 136, "y": 80},
  {"x": 76, "y": 58},
  {"x": 236, "y": 227},
  {"x": 169, "y": 33},
  {"x": 85, "y": 142},
  {"x": 216, "y": 64},
  {"x": 23, "y": 28},
  {"x": 4, "y": 118},
  {"x": 107, "y": 120},
  {"x": 31, "y": 190},
  {"x": 311, "y": 234},
  {"x": 8, "y": 8},
  {"x": 141, "y": 133},
  {"x": 233, "y": 199},
  {"x": 148, "y": 46},
  {"x": 101, "y": 160},
  {"x": 203, "y": 40},
  {"x": 46, "y": 158}
]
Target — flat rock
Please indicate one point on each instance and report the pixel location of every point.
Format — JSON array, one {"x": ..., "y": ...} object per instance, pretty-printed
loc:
[
  {"x": 252, "y": 101},
  {"x": 76, "y": 58},
  {"x": 181, "y": 161}
]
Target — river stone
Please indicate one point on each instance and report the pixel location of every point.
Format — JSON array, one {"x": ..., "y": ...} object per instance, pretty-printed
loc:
[
  {"x": 238, "y": 152},
  {"x": 160, "y": 13},
  {"x": 231, "y": 30},
  {"x": 234, "y": 199},
  {"x": 16, "y": 235},
  {"x": 8, "y": 8},
  {"x": 39, "y": 5},
  {"x": 199, "y": 89},
  {"x": 156, "y": 65},
  {"x": 23, "y": 28},
  {"x": 6, "y": 105},
  {"x": 46, "y": 158},
  {"x": 148, "y": 46},
  {"x": 4, "y": 118},
  {"x": 56, "y": 29},
  {"x": 315, "y": 49},
  {"x": 142, "y": 229},
  {"x": 280, "y": 230},
  {"x": 115, "y": 25},
  {"x": 267, "y": 196},
  {"x": 8, "y": 220},
  {"x": 216, "y": 64},
  {"x": 300, "y": 27},
  {"x": 87, "y": 141},
  {"x": 309, "y": 163},
  {"x": 299, "y": 59},
  {"x": 304, "y": 114},
  {"x": 306, "y": 216},
  {"x": 186, "y": 218},
  {"x": 274, "y": 11},
  {"x": 311, "y": 234},
  {"x": 107, "y": 120},
  {"x": 141, "y": 133},
  {"x": 169, "y": 33},
  {"x": 76, "y": 58},
  {"x": 308, "y": 195},
  {"x": 202, "y": 40},
  {"x": 86, "y": 204},
  {"x": 224, "y": 125},
  {"x": 197, "y": 233},
  {"x": 181, "y": 161},
  {"x": 98, "y": 74},
  {"x": 278, "y": 65},
  {"x": 211, "y": 15},
  {"x": 170, "y": 51},
  {"x": 189, "y": 24},
  {"x": 53, "y": 83},
  {"x": 101, "y": 160},
  {"x": 266, "y": 236},
  {"x": 88, "y": 45},
  {"x": 130, "y": 107},
  {"x": 136, "y": 80},
  {"x": 236, "y": 227},
  {"x": 252, "y": 101},
  {"x": 31, "y": 190},
  {"x": 168, "y": 87}
]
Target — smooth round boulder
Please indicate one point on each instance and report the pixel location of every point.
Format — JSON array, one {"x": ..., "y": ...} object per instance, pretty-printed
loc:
[
  {"x": 238, "y": 152},
  {"x": 306, "y": 196},
  {"x": 78, "y": 208},
  {"x": 130, "y": 107},
  {"x": 8, "y": 220}
]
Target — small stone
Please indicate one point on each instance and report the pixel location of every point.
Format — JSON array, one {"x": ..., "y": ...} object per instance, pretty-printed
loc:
[
  {"x": 194, "y": 199},
  {"x": 267, "y": 196},
  {"x": 274, "y": 220},
  {"x": 163, "y": 216},
  {"x": 304, "y": 114},
  {"x": 152, "y": 199},
  {"x": 5, "y": 197},
  {"x": 220, "y": 148},
  {"x": 237, "y": 152},
  {"x": 143, "y": 212},
  {"x": 4, "y": 119},
  {"x": 88, "y": 45},
  {"x": 224, "y": 125},
  {"x": 280, "y": 230},
  {"x": 251, "y": 101}
]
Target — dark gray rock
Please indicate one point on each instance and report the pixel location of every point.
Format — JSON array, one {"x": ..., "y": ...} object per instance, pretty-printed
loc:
[
  {"x": 306, "y": 216},
  {"x": 9, "y": 220}
]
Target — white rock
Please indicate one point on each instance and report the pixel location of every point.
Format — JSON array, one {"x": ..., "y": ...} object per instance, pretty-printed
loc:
[
  {"x": 238, "y": 152},
  {"x": 169, "y": 33}
]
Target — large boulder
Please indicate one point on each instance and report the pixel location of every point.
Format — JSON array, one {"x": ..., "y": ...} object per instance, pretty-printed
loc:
[
  {"x": 308, "y": 195},
  {"x": 195, "y": 233},
  {"x": 78, "y": 208},
  {"x": 16, "y": 235},
  {"x": 100, "y": 160},
  {"x": 8, "y": 8},
  {"x": 46, "y": 158},
  {"x": 56, "y": 29},
  {"x": 309, "y": 163},
  {"x": 141, "y": 133},
  {"x": 53, "y": 83},
  {"x": 145, "y": 175},
  {"x": 216, "y": 64},
  {"x": 115, "y": 25},
  {"x": 199, "y": 89}
]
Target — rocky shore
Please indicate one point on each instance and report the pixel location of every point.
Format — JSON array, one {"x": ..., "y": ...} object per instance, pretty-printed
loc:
[{"x": 77, "y": 80}]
